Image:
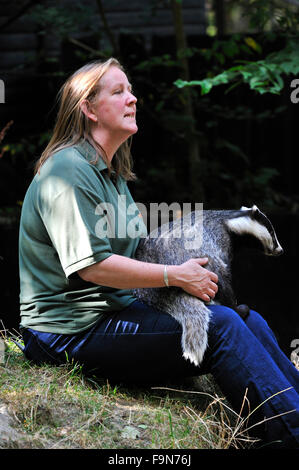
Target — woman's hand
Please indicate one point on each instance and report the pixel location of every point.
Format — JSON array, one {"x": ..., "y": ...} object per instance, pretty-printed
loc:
[{"x": 194, "y": 278}]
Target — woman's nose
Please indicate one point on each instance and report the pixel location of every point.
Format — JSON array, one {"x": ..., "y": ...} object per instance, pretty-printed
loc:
[{"x": 132, "y": 98}]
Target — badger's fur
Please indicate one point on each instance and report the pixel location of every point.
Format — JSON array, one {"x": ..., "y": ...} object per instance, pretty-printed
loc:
[{"x": 197, "y": 235}]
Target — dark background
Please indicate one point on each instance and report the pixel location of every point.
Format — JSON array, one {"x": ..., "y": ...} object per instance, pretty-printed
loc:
[{"x": 248, "y": 141}]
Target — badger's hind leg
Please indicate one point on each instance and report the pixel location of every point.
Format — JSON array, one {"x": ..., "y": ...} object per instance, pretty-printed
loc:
[{"x": 243, "y": 310}]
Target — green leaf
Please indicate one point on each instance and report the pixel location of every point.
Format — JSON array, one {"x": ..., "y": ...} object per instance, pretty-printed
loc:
[
  {"x": 262, "y": 76},
  {"x": 181, "y": 83},
  {"x": 206, "y": 86}
]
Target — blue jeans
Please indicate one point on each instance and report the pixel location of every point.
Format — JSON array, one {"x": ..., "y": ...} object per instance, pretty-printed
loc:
[{"x": 141, "y": 344}]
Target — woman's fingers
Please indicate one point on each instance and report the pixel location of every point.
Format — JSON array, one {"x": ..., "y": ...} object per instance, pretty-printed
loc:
[
  {"x": 202, "y": 262},
  {"x": 204, "y": 285},
  {"x": 205, "y": 297},
  {"x": 213, "y": 289},
  {"x": 211, "y": 293}
]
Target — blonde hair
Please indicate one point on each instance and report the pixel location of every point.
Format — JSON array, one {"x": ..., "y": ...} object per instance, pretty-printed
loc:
[{"x": 72, "y": 124}]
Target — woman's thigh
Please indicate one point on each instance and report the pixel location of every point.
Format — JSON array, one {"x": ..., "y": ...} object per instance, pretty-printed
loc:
[{"x": 138, "y": 343}]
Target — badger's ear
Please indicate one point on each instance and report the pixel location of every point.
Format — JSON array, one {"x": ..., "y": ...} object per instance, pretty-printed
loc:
[{"x": 253, "y": 208}]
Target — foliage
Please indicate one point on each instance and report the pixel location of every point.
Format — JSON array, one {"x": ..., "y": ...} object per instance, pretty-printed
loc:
[
  {"x": 244, "y": 60},
  {"x": 2, "y": 135},
  {"x": 250, "y": 65},
  {"x": 16, "y": 167},
  {"x": 271, "y": 19},
  {"x": 263, "y": 76},
  {"x": 66, "y": 21},
  {"x": 275, "y": 15}
]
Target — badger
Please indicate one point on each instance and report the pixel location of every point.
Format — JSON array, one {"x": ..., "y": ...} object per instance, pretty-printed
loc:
[{"x": 211, "y": 234}]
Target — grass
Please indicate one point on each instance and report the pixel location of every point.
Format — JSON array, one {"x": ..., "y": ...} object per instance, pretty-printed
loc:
[{"x": 60, "y": 408}]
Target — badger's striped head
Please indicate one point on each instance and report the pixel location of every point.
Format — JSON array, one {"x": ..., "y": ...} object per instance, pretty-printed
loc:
[{"x": 253, "y": 222}]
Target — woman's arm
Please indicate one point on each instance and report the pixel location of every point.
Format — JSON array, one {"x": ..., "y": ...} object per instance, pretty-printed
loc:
[{"x": 125, "y": 273}]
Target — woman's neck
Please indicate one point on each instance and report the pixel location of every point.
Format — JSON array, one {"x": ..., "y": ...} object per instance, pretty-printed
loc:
[{"x": 107, "y": 143}]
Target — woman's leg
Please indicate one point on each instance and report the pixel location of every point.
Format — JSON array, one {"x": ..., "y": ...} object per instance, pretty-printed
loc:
[
  {"x": 260, "y": 328},
  {"x": 240, "y": 363},
  {"x": 136, "y": 344}
]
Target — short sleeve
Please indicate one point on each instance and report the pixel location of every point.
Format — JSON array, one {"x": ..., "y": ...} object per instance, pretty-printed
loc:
[{"x": 71, "y": 222}]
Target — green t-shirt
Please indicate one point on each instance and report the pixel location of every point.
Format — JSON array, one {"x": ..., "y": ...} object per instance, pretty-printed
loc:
[{"x": 73, "y": 216}]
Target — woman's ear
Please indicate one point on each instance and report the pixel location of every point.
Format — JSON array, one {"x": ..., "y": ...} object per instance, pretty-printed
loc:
[{"x": 87, "y": 110}]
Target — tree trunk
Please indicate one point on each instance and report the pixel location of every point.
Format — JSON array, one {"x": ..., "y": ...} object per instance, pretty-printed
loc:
[
  {"x": 218, "y": 6},
  {"x": 195, "y": 177},
  {"x": 108, "y": 30}
]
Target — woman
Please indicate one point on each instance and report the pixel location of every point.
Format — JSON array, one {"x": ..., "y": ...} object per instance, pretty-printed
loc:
[{"x": 77, "y": 269}]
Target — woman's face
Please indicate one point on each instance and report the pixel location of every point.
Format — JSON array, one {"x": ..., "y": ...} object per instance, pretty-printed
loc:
[{"x": 115, "y": 105}]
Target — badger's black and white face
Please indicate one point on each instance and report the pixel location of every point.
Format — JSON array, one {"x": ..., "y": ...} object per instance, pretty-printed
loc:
[{"x": 253, "y": 222}]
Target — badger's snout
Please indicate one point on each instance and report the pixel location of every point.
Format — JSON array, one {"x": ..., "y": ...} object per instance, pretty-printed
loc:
[{"x": 276, "y": 252}]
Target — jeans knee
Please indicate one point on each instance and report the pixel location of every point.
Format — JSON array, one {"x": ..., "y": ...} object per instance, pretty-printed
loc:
[
  {"x": 255, "y": 319},
  {"x": 223, "y": 318},
  {"x": 258, "y": 325},
  {"x": 226, "y": 320}
]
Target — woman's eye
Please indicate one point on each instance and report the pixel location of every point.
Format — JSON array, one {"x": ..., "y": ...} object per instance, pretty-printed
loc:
[{"x": 117, "y": 92}]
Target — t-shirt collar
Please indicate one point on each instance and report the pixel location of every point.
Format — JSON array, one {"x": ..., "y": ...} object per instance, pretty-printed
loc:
[{"x": 90, "y": 153}]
